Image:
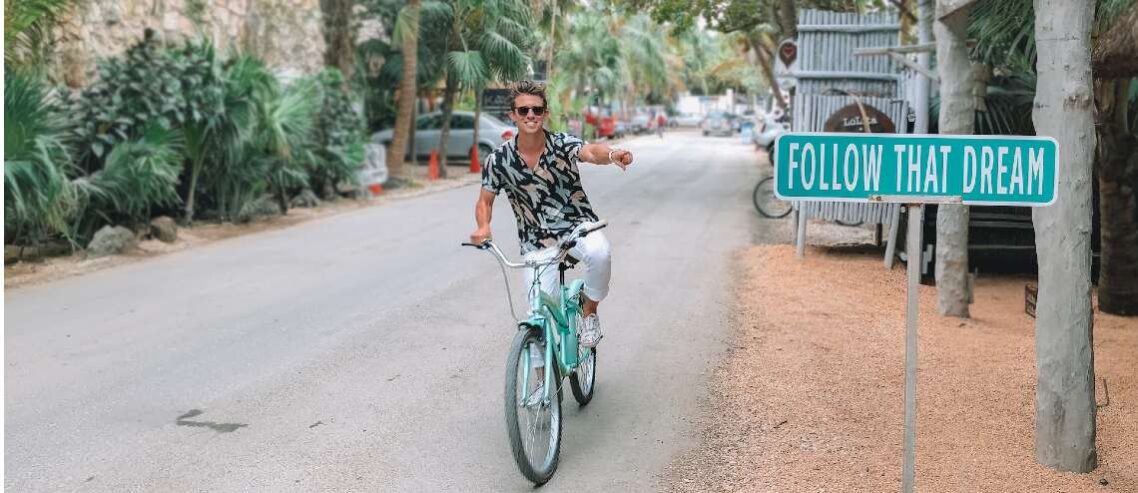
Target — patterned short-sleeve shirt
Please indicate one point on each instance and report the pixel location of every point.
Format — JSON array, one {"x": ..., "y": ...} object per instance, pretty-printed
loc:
[{"x": 548, "y": 201}]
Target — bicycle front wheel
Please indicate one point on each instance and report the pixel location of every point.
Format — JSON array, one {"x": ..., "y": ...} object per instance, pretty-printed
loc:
[
  {"x": 533, "y": 420},
  {"x": 765, "y": 201}
]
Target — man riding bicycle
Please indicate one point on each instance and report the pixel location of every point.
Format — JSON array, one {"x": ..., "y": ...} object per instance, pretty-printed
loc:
[{"x": 538, "y": 170}]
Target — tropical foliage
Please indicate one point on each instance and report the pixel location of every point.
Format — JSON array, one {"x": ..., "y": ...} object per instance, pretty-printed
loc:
[
  {"x": 39, "y": 199},
  {"x": 27, "y": 32},
  {"x": 169, "y": 127}
]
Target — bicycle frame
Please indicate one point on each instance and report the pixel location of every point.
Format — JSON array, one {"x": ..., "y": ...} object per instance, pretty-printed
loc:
[{"x": 556, "y": 318}]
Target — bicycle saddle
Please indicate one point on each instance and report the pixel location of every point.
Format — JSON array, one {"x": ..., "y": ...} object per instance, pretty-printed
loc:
[{"x": 568, "y": 263}]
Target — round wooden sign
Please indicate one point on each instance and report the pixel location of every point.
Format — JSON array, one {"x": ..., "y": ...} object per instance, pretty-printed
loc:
[{"x": 849, "y": 120}]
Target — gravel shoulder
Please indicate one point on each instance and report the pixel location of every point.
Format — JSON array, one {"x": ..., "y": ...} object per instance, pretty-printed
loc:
[{"x": 810, "y": 395}]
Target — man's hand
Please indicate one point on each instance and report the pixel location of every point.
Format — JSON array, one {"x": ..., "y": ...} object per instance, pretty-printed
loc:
[
  {"x": 621, "y": 157},
  {"x": 603, "y": 154},
  {"x": 480, "y": 235}
]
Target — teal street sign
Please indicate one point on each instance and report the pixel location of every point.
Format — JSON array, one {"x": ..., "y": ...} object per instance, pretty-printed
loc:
[{"x": 968, "y": 169}]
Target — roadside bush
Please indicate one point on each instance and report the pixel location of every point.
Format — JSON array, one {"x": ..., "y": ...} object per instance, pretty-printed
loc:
[
  {"x": 338, "y": 147},
  {"x": 39, "y": 198},
  {"x": 167, "y": 128}
]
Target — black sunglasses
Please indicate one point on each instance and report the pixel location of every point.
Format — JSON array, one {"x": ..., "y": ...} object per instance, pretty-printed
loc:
[{"x": 524, "y": 110}]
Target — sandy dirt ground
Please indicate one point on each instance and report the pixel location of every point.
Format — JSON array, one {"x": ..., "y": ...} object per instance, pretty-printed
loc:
[{"x": 810, "y": 397}]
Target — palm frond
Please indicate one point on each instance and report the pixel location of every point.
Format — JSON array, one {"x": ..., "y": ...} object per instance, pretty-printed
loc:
[
  {"x": 27, "y": 31},
  {"x": 406, "y": 25},
  {"x": 468, "y": 67},
  {"x": 142, "y": 175},
  {"x": 39, "y": 199}
]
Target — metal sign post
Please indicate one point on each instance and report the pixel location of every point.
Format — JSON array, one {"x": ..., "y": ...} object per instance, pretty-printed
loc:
[
  {"x": 916, "y": 170},
  {"x": 916, "y": 223}
]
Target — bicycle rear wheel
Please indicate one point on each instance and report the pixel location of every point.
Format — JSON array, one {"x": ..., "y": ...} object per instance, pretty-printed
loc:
[
  {"x": 533, "y": 423},
  {"x": 582, "y": 379},
  {"x": 765, "y": 201}
]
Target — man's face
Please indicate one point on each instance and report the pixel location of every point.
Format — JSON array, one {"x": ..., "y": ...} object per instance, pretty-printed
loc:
[{"x": 524, "y": 114}]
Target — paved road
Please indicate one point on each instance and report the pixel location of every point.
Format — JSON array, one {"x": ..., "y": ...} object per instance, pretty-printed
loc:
[{"x": 365, "y": 351}]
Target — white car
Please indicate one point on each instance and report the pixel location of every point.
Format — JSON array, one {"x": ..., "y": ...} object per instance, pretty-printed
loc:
[
  {"x": 492, "y": 132},
  {"x": 687, "y": 120}
]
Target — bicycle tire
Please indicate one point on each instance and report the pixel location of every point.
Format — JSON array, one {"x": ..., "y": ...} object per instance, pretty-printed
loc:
[
  {"x": 584, "y": 386},
  {"x": 542, "y": 473},
  {"x": 764, "y": 190}
]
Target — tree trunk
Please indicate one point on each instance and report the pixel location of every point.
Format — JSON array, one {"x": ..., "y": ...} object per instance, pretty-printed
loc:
[
  {"x": 195, "y": 172},
  {"x": 1117, "y": 164},
  {"x": 549, "y": 57},
  {"x": 766, "y": 60},
  {"x": 477, "y": 116},
  {"x": 1064, "y": 355},
  {"x": 908, "y": 21},
  {"x": 1115, "y": 52},
  {"x": 789, "y": 16},
  {"x": 404, "y": 119},
  {"x": 282, "y": 197},
  {"x": 957, "y": 116},
  {"x": 339, "y": 36},
  {"x": 448, "y": 110}
]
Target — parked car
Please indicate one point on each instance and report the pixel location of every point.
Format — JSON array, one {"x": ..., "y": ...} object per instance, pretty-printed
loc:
[
  {"x": 639, "y": 124},
  {"x": 606, "y": 126},
  {"x": 718, "y": 124},
  {"x": 621, "y": 129},
  {"x": 687, "y": 120},
  {"x": 492, "y": 132}
]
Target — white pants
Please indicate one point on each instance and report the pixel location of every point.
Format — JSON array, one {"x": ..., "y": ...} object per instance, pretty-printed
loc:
[{"x": 595, "y": 256}]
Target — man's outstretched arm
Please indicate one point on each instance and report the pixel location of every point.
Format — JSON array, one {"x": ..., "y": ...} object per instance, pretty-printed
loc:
[{"x": 600, "y": 154}]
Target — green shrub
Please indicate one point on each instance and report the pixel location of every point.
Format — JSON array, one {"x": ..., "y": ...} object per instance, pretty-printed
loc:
[
  {"x": 39, "y": 198},
  {"x": 147, "y": 85},
  {"x": 339, "y": 138},
  {"x": 138, "y": 177}
]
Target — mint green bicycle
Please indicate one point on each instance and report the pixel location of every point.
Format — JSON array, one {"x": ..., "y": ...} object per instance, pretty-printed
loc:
[{"x": 546, "y": 339}]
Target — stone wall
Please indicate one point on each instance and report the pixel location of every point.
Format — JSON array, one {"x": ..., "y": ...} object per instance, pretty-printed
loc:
[{"x": 287, "y": 34}]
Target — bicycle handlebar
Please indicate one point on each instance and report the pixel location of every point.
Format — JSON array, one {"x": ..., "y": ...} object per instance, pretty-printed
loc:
[{"x": 564, "y": 246}]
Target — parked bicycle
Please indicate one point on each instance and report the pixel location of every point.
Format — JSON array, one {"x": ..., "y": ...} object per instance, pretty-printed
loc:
[
  {"x": 767, "y": 203},
  {"x": 545, "y": 349}
]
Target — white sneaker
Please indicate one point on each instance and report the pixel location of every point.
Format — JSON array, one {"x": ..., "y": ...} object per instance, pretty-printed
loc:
[{"x": 590, "y": 331}]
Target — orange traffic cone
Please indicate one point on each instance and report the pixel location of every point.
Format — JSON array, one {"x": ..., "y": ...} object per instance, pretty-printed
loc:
[
  {"x": 475, "y": 167},
  {"x": 376, "y": 189},
  {"x": 433, "y": 166}
]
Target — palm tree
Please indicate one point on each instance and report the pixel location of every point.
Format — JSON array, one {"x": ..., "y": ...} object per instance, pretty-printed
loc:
[
  {"x": 644, "y": 46},
  {"x": 957, "y": 116},
  {"x": 488, "y": 42},
  {"x": 407, "y": 32},
  {"x": 1004, "y": 30},
  {"x": 592, "y": 57},
  {"x": 553, "y": 14},
  {"x": 1065, "y": 393},
  {"x": 1116, "y": 64}
]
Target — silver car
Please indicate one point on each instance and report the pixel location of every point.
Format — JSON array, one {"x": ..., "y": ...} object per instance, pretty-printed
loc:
[{"x": 492, "y": 132}]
